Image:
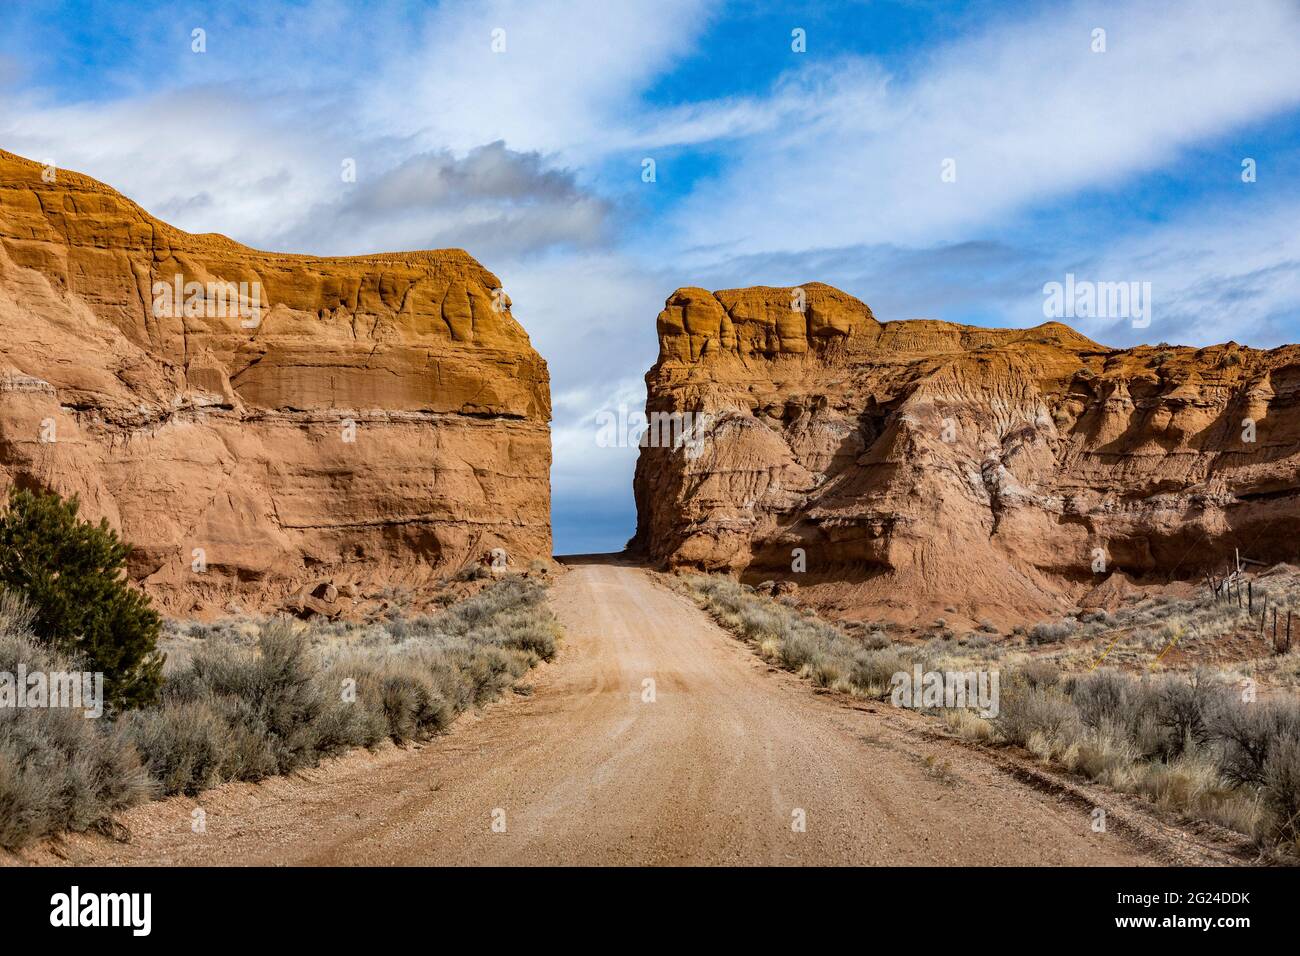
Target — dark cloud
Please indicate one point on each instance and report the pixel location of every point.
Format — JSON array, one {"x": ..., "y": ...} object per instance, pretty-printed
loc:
[
  {"x": 494, "y": 201},
  {"x": 490, "y": 172}
]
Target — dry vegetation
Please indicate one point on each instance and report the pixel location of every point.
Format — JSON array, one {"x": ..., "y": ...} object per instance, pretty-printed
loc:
[
  {"x": 1192, "y": 742},
  {"x": 245, "y": 701},
  {"x": 860, "y": 659},
  {"x": 1185, "y": 633}
]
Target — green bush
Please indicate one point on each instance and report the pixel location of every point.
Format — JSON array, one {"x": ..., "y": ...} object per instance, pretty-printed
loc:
[{"x": 71, "y": 572}]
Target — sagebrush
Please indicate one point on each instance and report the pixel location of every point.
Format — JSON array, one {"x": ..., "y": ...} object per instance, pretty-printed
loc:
[
  {"x": 1189, "y": 742},
  {"x": 247, "y": 710}
]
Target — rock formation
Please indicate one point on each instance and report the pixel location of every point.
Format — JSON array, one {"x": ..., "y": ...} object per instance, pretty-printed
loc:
[
  {"x": 260, "y": 425},
  {"x": 920, "y": 468}
]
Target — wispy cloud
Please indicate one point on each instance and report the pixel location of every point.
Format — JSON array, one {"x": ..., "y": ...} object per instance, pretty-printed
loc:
[
  {"x": 842, "y": 152},
  {"x": 1218, "y": 273},
  {"x": 559, "y": 78}
]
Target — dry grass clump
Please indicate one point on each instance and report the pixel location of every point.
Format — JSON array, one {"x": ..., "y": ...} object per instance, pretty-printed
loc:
[
  {"x": 800, "y": 642},
  {"x": 940, "y": 770},
  {"x": 862, "y": 661},
  {"x": 1050, "y": 632},
  {"x": 1190, "y": 744},
  {"x": 244, "y": 707},
  {"x": 967, "y": 724}
]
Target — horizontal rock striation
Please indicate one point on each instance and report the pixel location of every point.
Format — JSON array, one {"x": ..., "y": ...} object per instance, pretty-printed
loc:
[
  {"x": 925, "y": 467},
  {"x": 256, "y": 423}
]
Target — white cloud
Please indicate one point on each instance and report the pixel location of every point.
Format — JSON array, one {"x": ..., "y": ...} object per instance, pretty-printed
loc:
[
  {"x": 207, "y": 160},
  {"x": 596, "y": 469},
  {"x": 843, "y": 153},
  {"x": 569, "y": 74},
  {"x": 1228, "y": 272}
]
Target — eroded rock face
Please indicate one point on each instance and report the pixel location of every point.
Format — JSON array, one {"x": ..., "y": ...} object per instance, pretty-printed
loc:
[
  {"x": 924, "y": 466},
  {"x": 349, "y": 420}
]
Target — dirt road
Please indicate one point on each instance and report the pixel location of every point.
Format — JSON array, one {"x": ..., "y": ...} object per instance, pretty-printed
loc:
[{"x": 720, "y": 767}]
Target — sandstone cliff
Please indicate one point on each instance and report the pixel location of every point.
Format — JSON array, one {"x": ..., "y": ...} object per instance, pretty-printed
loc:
[
  {"x": 333, "y": 420},
  {"x": 924, "y": 466}
]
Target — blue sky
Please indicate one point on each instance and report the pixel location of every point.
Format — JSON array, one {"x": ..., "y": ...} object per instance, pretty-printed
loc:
[{"x": 772, "y": 167}]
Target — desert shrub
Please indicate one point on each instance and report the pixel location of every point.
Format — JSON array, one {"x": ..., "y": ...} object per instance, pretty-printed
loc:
[
  {"x": 244, "y": 713},
  {"x": 1026, "y": 710},
  {"x": 59, "y": 770},
  {"x": 757, "y": 623},
  {"x": 72, "y": 573},
  {"x": 1184, "y": 710},
  {"x": 797, "y": 640},
  {"x": 798, "y": 648},
  {"x": 273, "y": 691},
  {"x": 825, "y": 672},
  {"x": 1281, "y": 791},
  {"x": 1049, "y": 632},
  {"x": 241, "y": 710},
  {"x": 284, "y": 707},
  {"x": 184, "y": 744},
  {"x": 1115, "y": 705},
  {"x": 1040, "y": 673},
  {"x": 1190, "y": 745},
  {"x": 530, "y": 633},
  {"x": 873, "y": 670},
  {"x": 876, "y": 640},
  {"x": 1249, "y": 735},
  {"x": 398, "y": 699},
  {"x": 1105, "y": 696}
]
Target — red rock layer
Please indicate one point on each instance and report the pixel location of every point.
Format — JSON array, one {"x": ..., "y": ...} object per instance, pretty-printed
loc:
[
  {"x": 924, "y": 466},
  {"x": 382, "y": 419}
]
